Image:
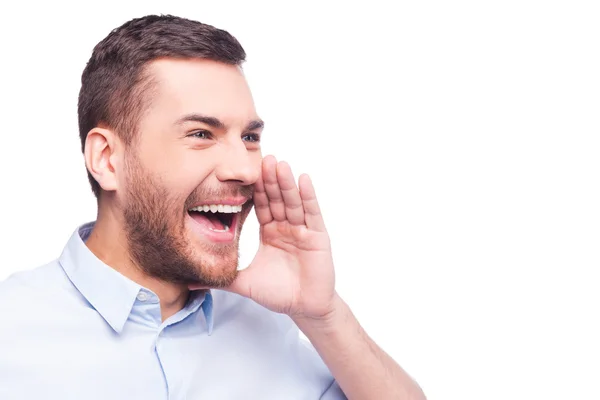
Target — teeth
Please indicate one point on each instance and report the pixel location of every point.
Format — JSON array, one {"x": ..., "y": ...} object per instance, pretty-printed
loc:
[
  {"x": 225, "y": 229},
  {"x": 222, "y": 208}
]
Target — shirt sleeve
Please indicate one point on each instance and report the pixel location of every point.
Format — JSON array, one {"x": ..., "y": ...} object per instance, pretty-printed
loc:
[{"x": 333, "y": 392}]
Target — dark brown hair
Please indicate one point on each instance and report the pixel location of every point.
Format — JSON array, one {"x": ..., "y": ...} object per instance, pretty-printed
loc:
[{"x": 114, "y": 88}]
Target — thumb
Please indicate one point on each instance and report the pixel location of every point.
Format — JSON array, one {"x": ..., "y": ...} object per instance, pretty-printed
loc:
[{"x": 242, "y": 284}]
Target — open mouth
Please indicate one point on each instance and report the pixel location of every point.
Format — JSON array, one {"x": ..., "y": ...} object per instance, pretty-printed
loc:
[{"x": 216, "y": 217}]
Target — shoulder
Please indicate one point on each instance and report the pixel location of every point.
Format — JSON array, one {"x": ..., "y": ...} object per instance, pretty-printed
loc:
[
  {"x": 29, "y": 295},
  {"x": 40, "y": 281}
]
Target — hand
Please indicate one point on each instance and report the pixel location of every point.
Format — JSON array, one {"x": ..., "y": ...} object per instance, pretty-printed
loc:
[{"x": 292, "y": 271}]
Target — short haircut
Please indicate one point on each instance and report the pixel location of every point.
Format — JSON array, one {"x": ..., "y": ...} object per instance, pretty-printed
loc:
[{"x": 115, "y": 89}]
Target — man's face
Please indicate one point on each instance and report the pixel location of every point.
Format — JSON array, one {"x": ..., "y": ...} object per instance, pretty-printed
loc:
[{"x": 197, "y": 152}]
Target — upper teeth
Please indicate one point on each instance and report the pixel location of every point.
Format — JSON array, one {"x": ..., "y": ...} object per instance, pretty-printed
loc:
[{"x": 222, "y": 208}]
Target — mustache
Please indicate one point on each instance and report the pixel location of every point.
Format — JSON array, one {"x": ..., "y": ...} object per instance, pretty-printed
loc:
[{"x": 224, "y": 191}]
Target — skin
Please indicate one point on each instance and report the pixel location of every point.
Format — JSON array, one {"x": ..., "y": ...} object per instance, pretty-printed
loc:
[{"x": 174, "y": 165}]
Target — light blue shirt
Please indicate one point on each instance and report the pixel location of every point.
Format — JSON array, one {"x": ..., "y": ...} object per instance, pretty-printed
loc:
[{"x": 77, "y": 329}]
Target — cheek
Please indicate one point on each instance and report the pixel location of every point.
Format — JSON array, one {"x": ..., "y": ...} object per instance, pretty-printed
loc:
[
  {"x": 257, "y": 159},
  {"x": 180, "y": 171}
]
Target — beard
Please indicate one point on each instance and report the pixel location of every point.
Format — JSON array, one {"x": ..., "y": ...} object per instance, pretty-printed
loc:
[{"x": 155, "y": 228}]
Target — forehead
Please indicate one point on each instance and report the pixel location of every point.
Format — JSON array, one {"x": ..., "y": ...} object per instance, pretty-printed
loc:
[{"x": 201, "y": 86}]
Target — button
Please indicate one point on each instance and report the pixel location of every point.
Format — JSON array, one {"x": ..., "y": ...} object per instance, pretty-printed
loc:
[{"x": 142, "y": 296}]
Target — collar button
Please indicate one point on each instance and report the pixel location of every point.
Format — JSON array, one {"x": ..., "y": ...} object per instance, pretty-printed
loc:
[{"x": 142, "y": 296}]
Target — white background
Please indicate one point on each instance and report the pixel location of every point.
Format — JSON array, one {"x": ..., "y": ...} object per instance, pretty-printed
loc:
[{"x": 454, "y": 147}]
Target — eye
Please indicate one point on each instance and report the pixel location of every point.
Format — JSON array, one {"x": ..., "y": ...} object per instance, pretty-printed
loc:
[
  {"x": 202, "y": 134},
  {"x": 251, "y": 137}
]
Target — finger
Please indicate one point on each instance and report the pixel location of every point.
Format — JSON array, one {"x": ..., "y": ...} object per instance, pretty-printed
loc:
[
  {"x": 269, "y": 173},
  {"x": 291, "y": 196},
  {"x": 312, "y": 211},
  {"x": 261, "y": 203}
]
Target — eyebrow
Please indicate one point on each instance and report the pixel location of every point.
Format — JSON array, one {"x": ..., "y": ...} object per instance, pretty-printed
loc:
[
  {"x": 216, "y": 123},
  {"x": 254, "y": 125}
]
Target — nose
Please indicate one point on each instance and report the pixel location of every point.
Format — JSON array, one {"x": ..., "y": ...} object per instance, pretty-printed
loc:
[{"x": 239, "y": 164}]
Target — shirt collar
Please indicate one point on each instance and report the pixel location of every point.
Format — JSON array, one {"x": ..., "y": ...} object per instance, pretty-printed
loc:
[{"x": 108, "y": 291}]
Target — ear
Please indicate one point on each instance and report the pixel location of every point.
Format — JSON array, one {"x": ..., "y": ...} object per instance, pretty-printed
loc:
[{"x": 102, "y": 157}]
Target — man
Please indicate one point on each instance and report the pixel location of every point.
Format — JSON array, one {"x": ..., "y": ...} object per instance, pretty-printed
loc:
[{"x": 147, "y": 301}]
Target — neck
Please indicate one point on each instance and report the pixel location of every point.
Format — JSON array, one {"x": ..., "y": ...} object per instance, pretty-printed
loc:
[{"x": 108, "y": 242}]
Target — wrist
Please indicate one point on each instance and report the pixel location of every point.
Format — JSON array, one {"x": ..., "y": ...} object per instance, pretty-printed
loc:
[{"x": 329, "y": 321}]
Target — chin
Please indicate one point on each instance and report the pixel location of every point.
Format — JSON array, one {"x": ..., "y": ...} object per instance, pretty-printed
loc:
[
  {"x": 217, "y": 274},
  {"x": 215, "y": 264}
]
